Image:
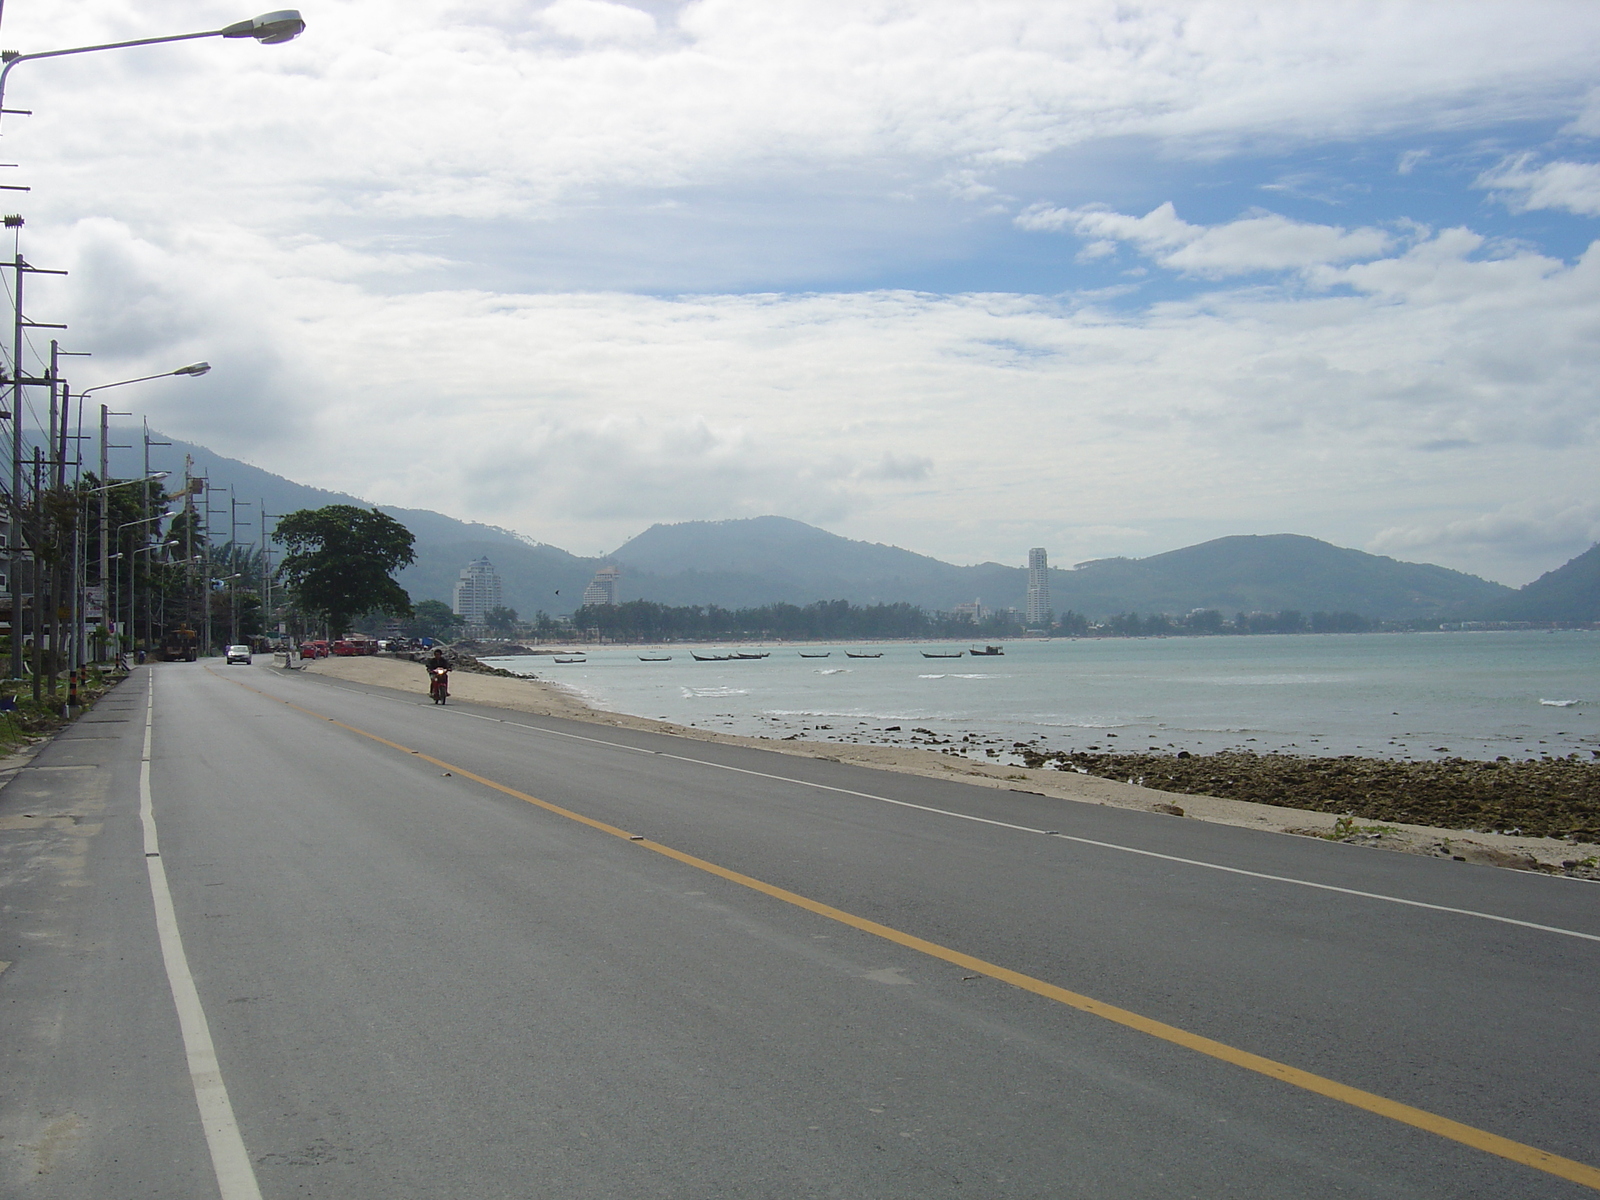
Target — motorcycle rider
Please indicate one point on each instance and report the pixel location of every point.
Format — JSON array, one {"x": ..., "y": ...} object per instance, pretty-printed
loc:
[{"x": 438, "y": 663}]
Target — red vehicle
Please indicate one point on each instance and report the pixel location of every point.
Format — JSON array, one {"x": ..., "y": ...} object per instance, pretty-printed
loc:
[
  {"x": 308, "y": 649},
  {"x": 438, "y": 684}
]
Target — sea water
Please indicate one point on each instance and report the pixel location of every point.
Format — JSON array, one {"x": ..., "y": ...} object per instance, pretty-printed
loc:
[{"x": 1405, "y": 696}]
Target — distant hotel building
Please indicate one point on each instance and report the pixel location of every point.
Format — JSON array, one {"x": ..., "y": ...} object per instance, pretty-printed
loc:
[
  {"x": 603, "y": 589},
  {"x": 975, "y": 611},
  {"x": 1037, "y": 612},
  {"x": 477, "y": 591}
]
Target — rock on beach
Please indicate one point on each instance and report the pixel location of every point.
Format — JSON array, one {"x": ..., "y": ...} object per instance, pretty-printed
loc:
[{"x": 1555, "y": 797}]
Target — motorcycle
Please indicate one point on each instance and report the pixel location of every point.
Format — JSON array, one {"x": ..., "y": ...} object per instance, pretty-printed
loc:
[{"x": 438, "y": 684}]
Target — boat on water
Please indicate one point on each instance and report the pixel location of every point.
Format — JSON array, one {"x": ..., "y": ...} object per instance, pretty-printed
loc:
[
  {"x": 660, "y": 658},
  {"x": 853, "y": 654},
  {"x": 824, "y": 654},
  {"x": 568, "y": 661},
  {"x": 940, "y": 654},
  {"x": 710, "y": 657},
  {"x": 747, "y": 654},
  {"x": 986, "y": 652}
]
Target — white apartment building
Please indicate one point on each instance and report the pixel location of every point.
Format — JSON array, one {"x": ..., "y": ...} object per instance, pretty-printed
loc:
[
  {"x": 477, "y": 591},
  {"x": 603, "y": 588},
  {"x": 1037, "y": 610}
]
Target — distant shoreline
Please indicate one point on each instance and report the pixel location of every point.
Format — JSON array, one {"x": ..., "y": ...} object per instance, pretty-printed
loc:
[
  {"x": 488, "y": 649},
  {"x": 546, "y": 698}
]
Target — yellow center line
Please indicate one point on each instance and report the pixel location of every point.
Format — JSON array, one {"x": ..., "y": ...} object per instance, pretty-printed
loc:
[{"x": 1394, "y": 1110}]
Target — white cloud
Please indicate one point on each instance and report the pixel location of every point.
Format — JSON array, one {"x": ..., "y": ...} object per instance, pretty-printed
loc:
[
  {"x": 969, "y": 426},
  {"x": 399, "y": 108},
  {"x": 594, "y": 21},
  {"x": 1259, "y": 242},
  {"x": 1587, "y": 122},
  {"x": 1574, "y": 186},
  {"x": 1551, "y": 529},
  {"x": 357, "y": 229}
]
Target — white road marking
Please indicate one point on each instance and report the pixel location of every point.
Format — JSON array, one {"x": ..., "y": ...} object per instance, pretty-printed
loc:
[
  {"x": 1188, "y": 862},
  {"x": 236, "y": 1178}
]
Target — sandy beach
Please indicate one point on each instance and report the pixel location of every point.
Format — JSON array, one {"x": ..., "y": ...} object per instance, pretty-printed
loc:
[{"x": 543, "y": 699}]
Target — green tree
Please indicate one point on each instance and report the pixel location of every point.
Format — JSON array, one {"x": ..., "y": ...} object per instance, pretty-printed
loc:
[
  {"x": 432, "y": 619},
  {"x": 341, "y": 559},
  {"x": 501, "y": 620}
]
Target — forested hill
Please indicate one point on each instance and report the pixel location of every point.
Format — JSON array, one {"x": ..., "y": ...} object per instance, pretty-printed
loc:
[
  {"x": 1569, "y": 593},
  {"x": 765, "y": 559},
  {"x": 534, "y": 574},
  {"x": 762, "y": 560},
  {"x": 1271, "y": 573}
]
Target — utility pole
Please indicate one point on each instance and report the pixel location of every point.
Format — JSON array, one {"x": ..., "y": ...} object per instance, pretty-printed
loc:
[
  {"x": 266, "y": 563},
  {"x": 188, "y": 542},
  {"x": 207, "y": 647},
  {"x": 18, "y": 382},
  {"x": 15, "y": 539},
  {"x": 108, "y": 617},
  {"x": 233, "y": 548},
  {"x": 37, "y": 657},
  {"x": 64, "y": 571},
  {"x": 76, "y": 568},
  {"x": 150, "y": 577}
]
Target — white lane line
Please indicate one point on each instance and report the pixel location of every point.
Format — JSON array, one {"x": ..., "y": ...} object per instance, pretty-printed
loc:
[
  {"x": 236, "y": 1178},
  {"x": 1083, "y": 841},
  {"x": 1188, "y": 862}
]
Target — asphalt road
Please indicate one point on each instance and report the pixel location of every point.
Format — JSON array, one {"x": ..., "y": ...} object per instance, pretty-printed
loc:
[{"x": 419, "y": 984}]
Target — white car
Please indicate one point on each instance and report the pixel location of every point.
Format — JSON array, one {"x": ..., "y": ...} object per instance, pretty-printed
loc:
[{"x": 238, "y": 654}]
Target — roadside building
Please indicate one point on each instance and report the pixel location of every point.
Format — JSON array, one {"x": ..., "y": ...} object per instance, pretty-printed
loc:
[
  {"x": 477, "y": 591},
  {"x": 603, "y": 588},
  {"x": 1037, "y": 611}
]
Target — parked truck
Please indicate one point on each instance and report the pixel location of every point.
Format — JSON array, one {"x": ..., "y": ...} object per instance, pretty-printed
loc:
[{"x": 180, "y": 644}]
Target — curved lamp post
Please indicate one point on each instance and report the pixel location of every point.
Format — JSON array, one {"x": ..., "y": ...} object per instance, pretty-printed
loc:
[
  {"x": 133, "y": 566},
  {"x": 192, "y": 370},
  {"x": 116, "y": 613},
  {"x": 269, "y": 29}
]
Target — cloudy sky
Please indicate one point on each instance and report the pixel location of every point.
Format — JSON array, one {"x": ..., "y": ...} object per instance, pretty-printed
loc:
[{"x": 966, "y": 277}]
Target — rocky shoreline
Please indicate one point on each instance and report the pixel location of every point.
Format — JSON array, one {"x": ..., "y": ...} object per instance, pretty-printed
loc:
[
  {"x": 1069, "y": 783},
  {"x": 1554, "y": 797}
]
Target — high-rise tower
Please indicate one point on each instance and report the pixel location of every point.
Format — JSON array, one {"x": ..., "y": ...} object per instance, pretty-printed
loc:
[
  {"x": 1037, "y": 612},
  {"x": 603, "y": 588},
  {"x": 477, "y": 591}
]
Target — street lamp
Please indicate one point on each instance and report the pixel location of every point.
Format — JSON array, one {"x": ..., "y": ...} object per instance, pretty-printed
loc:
[
  {"x": 269, "y": 29},
  {"x": 199, "y": 368},
  {"x": 76, "y": 567},
  {"x": 116, "y": 608},
  {"x": 15, "y": 580},
  {"x": 133, "y": 567},
  {"x": 192, "y": 370},
  {"x": 233, "y": 610}
]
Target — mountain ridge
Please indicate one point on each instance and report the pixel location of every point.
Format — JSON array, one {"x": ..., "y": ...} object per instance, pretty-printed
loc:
[
  {"x": 1571, "y": 592},
  {"x": 747, "y": 562}
]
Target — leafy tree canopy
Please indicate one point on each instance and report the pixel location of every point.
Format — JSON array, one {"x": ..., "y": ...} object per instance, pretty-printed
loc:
[
  {"x": 341, "y": 559},
  {"x": 501, "y": 620},
  {"x": 433, "y": 619}
]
